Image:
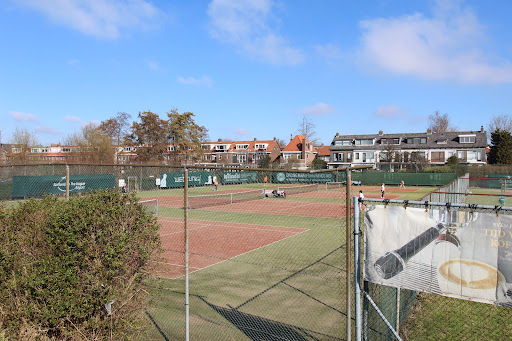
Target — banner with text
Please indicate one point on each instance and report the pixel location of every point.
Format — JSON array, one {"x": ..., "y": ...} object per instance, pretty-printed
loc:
[
  {"x": 239, "y": 177},
  {"x": 282, "y": 177},
  {"x": 36, "y": 186},
  {"x": 175, "y": 180},
  {"x": 453, "y": 253}
]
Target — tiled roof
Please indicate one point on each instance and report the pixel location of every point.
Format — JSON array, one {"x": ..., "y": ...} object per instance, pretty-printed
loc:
[
  {"x": 452, "y": 140},
  {"x": 323, "y": 151},
  {"x": 295, "y": 144}
]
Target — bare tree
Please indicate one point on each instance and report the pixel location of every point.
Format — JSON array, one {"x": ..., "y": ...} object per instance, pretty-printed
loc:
[
  {"x": 116, "y": 127},
  {"x": 307, "y": 129},
  {"x": 22, "y": 140},
  {"x": 439, "y": 123},
  {"x": 91, "y": 145},
  {"x": 501, "y": 122}
]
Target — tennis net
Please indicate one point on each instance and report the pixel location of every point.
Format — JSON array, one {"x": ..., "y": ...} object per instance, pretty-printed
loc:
[
  {"x": 151, "y": 205},
  {"x": 299, "y": 189},
  {"x": 199, "y": 201}
]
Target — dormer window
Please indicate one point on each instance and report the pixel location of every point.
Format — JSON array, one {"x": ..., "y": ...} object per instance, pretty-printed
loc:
[
  {"x": 343, "y": 143},
  {"x": 467, "y": 138},
  {"x": 442, "y": 141},
  {"x": 363, "y": 142}
]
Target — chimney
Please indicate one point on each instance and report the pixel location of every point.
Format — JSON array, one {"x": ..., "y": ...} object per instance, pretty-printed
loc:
[
  {"x": 429, "y": 131},
  {"x": 481, "y": 129},
  {"x": 381, "y": 132},
  {"x": 254, "y": 139},
  {"x": 219, "y": 140},
  {"x": 291, "y": 137},
  {"x": 337, "y": 134},
  {"x": 275, "y": 139}
]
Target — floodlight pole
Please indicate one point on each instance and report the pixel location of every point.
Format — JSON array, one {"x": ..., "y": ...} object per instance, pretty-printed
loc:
[
  {"x": 347, "y": 251},
  {"x": 187, "y": 302}
]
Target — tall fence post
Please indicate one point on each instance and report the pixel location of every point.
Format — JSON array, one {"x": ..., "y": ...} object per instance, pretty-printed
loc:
[
  {"x": 357, "y": 271},
  {"x": 185, "y": 210},
  {"x": 347, "y": 250},
  {"x": 67, "y": 182}
]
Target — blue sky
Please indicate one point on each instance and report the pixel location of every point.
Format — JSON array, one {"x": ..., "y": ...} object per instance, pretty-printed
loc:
[{"x": 252, "y": 68}]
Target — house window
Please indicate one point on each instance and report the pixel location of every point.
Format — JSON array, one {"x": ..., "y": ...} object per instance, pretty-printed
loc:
[
  {"x": 349, "y": 156},
  {"x": 437, "y": 157},
  {"x": 242, "y": 158},
  {"x": 364, "y": 141},
  {"x": 356, "y": 156},
  {"x": 460, "y": 155},
  {"x": 474, "y": 155},
  {"x": 170, "y": 148},
  {"x": 343, "y": 143},
  {"x": 242, "y": 146},
  {"x": 390, "y": 141},
  {"x": 417, "y": 140},
  {"x": 341, "y": 157},
  {"x": 445, "y": 141},
  {"x": 467, "y": 139}
]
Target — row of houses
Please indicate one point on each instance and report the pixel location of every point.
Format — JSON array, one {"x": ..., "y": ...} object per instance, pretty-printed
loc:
[{"x": 383, "y": 151}]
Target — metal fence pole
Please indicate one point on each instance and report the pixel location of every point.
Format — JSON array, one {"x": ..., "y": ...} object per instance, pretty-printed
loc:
[
  {"x": 357, "y": 270},
  {"x": 67, "y": 182},
  {"x": 187, "y": 303},
  {"x": 347, "y": 250}
]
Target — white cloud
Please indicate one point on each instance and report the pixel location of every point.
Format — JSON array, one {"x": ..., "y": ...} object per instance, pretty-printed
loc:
[
  {"x": 46, "y": 130},
  {"x": 449, "y": 45},
  {"x": 205, "y": 80},
  {"x": 100, "y": 18},
  {"x": 390, "y": 112},
  {"x": 74, "y": 119},
  {"x": 319, "y": 109},
  {"x": 23, "y": 117},
  {"x": 246, "y": 25}
]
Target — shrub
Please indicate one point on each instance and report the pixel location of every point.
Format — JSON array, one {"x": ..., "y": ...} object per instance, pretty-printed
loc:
[{"x": 62, "y": 261}]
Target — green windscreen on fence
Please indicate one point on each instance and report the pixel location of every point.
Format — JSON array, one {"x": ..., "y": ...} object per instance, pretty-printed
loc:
[
  {"x": 239, "y": 177},
  {"x": 282, "y": 177},
  {"x": 36, "y": 186},
  {"x": 175, "y": 180},
  {"x": 414, "y": 179}
]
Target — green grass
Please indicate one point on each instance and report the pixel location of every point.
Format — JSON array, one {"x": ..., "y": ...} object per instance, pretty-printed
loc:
[{"x": 436, "y": 317}]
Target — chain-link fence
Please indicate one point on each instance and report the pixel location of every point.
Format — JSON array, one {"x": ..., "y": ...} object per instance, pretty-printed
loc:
[
  {"x": 247, "y": 254},
  {"x": 429, "y": 315}
]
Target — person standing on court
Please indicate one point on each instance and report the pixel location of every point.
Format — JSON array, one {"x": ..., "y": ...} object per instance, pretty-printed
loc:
[
  {"x": 402, "y": 184},
  {"x": 361, "y": 196},
  {"x": 382, "y": 190},
  {"x": 215, "y": 182}
]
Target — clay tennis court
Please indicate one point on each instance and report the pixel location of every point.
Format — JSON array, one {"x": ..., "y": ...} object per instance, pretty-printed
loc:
[
  {"x": 287, "y": 206},
  {"x": 211, "y": 242}
]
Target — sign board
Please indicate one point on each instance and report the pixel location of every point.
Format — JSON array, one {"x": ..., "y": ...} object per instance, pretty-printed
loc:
[
  {"x": 36, "y": 186},
  {"x": 176, "y": 180},
  {"x": 453, "y": 253},
  {"x": 282, "y": 177}
]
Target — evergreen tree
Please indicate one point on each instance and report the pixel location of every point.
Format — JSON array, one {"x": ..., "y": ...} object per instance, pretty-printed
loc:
[{"x": 501, "y": 148}]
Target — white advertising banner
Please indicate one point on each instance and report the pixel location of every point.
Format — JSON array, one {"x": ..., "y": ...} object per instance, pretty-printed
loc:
[{"x": 454, "y": 253}]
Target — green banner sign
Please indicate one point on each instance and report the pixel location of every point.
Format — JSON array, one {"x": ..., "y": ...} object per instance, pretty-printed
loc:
[
  {"x": 282, "y": 177},
  {"x": 36, "y": 186},
  {"x": 176, "y": 180},
  {"x": 239, "y": 177}
]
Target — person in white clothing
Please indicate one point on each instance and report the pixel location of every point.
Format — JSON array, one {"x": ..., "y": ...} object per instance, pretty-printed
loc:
[{"x": 382, "y": 190}]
